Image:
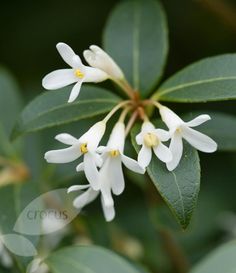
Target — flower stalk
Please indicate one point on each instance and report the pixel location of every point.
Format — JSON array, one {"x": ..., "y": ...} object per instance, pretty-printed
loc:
[
  {"x": 131, "y": 122},
  {"x": 115, "y": 109},
  {"x": 125, "y": 86}
]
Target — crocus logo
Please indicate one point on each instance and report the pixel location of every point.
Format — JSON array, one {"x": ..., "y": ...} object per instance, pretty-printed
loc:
[{"x": 48, "y": 213}]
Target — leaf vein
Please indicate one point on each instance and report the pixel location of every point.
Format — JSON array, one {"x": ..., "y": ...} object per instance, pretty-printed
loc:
[
  {"x": 180, "y": 195},
  {"x": 136, "y": 35},
  {"x": 180, "y": 86}
]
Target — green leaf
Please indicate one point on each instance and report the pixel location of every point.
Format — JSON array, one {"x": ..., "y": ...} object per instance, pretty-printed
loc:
[
  {"x": 88, "y": 259},
  {"x": 178, "y": 188},
  {"x": 221, "y": 260},
  {"x": 51, "y": 109},
  {"x": 13, "y": 199},
  {"x": 211, "y": 79},
  {"x": 10, "y": 101},
  {"x": 6, "y": 148},
  {"x": 221, "y": 127},
  {"x": 136, "y": 37}
]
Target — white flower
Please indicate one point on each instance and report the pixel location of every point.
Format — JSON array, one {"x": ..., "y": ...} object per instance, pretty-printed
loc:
[
  {"x": 111, "y": 174},
  {"x": 89, "y": 196},
  {"x": 5, "y": 258},
  {"x": 37, "y": 266},
  {"x": 78, "y": 73},
  {"x": 98, "y": 58},
  {"x": 111, "y": 177},
  {"x": 180, "y": 129},
  {"x": 86, "y": 145},
  {"x": 151, "y": 139}
]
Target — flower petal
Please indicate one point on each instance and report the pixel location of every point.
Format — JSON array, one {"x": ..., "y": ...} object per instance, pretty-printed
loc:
[
  {"x": 80, "y": 167},
  {"x": 85, "y": 198},
  {"x": 76, "y": 62},
  {"x": 37, "y": 265},
  {"x": 66, "y": 139},
  {"x": 90, "y": 170},
  {"x": 98, "y": 160},
  {"x": 199, "y": 141},
  {"x": 63, "y": 155},
  {"x": 77, "y": 188},
  {"x": 147, "y": 126},
  {"x": 6, "y": 259},
  {"x": 163, "y": 153},
  {"x": 68, "y": 55},
  {"x": 144, "y": 156},
  {"x": 58, "y": 79},
  {"x": 176, "y": 148},
  {"x": 90, "y": 57},
  {"x": 109, "y": 212},
  {"x": 104, "y": 157},
  {"x": 117, "y": 138},
  {"x": 102, "y": 149},
  {"x": 115, "y": 175},
  {"x": 94, "y": 75},
  {"x": 163, "y": 135},
  {"x": 132, "y": 164},
  {"x": 106, "y": 194},
  {"x": 139, "y": 138},
  {"x": 96, "y": 57},
  {"x": 94, "y": 135},
  {"x": 170, "y": 118},
  {"x": 75, "y": 91},
  {"x": 198, "y": 120}
]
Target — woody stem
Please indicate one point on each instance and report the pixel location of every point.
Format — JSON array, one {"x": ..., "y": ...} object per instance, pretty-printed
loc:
[{"x": 124, "y": 114}]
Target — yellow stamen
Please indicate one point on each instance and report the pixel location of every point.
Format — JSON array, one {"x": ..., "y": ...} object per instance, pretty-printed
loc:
[
  {"x": 151, "y": 140},
  {"x": 114, "y": 153},
  {"x": 178, "y": 130},
  {"x": 79, "y": 73},
  {"x": 83, "y": 148}
]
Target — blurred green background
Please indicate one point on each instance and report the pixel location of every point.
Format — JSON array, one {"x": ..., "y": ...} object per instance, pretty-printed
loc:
[{"x": 31, "y": 29}]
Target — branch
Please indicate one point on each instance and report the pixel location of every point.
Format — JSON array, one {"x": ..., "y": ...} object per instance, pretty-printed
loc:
[{"x": 174, "y": 251}]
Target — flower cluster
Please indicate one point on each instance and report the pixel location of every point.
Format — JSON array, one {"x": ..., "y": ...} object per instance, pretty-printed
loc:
[
  {"x": 108, "y": 159},
  {"x": 102, "y": 165}
]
